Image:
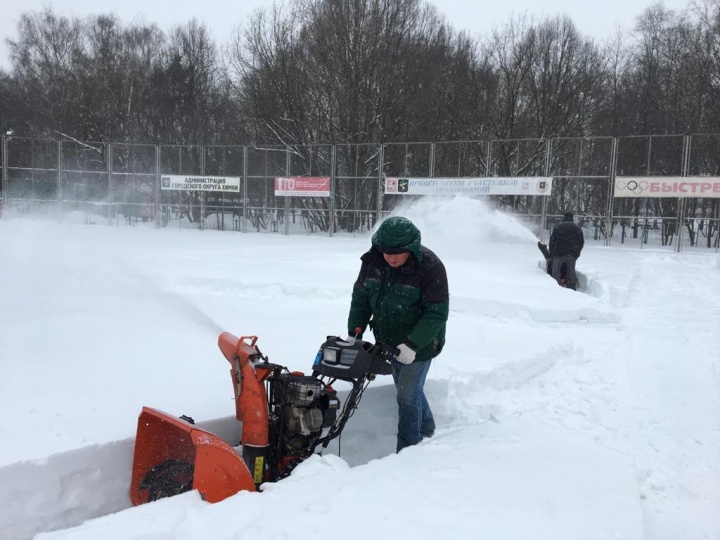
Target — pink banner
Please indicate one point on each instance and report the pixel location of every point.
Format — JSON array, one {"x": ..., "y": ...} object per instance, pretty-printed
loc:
[{"x": 302, "y": 186}]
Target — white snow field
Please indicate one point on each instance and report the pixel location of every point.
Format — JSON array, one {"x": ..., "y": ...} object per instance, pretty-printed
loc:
[{"x": 561, "y": 415}]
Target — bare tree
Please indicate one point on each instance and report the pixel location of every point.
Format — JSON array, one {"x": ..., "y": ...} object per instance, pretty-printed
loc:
[
  {"x": 119, "y": 67},
  {"x": 268, "y": 79},
  {"x": 566, "y": 79},
  {"x": 187, "y": 90},
  {"x": 352, "y": 71},
  {"x": 47, "y": 57}
]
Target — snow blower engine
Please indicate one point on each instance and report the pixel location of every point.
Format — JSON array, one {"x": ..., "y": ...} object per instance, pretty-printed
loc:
[{"x": 286, "y": 417}]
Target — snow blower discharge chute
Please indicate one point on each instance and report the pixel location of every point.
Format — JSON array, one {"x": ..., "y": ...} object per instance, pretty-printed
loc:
[{"x": 286, "y": 417}]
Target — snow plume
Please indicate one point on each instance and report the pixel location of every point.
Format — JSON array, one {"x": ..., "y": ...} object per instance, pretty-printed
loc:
[
  {"x": 457, "y": 225},
  {"x": 174, "y": 301}
]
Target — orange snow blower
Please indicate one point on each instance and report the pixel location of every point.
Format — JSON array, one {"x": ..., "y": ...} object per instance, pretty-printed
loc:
[{"x": 285, "y": 416}]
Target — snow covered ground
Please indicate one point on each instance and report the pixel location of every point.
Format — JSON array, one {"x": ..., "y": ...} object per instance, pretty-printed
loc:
[{"x": 561, "y": 415}]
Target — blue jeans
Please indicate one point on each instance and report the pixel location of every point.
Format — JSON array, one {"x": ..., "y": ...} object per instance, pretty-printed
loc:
[{"x": 415, "y": 419}]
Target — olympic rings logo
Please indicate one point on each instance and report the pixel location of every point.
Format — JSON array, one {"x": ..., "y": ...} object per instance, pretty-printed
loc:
[{"x": 636, "y": 187}]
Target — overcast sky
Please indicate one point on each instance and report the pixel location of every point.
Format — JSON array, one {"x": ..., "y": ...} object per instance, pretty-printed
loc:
[{"x": 597, "y": 19}]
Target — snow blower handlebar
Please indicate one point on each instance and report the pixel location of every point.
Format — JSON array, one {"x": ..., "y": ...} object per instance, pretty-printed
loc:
[
  {"x": 340, "y": 359},
  {"x": 356, "y": 362}
]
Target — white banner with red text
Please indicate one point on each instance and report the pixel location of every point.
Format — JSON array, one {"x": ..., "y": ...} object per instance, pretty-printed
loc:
[{"x": 508, "y": 185}]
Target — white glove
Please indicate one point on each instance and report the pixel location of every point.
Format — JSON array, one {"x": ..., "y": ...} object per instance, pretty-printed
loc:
[
  {"x": 406, "y": 355},
  {"x": 349, "y": 339}
]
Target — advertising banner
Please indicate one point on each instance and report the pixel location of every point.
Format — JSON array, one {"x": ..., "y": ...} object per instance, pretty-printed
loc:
[
  {"x": 667, "y": 186},
  {"x": 507, "y": 185},
  {"x": 200, "y": 183},
  {"x": 302, "y": 186}
]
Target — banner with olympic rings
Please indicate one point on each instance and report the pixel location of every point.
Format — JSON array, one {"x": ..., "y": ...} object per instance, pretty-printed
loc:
[{"x": 668, "y": 186}]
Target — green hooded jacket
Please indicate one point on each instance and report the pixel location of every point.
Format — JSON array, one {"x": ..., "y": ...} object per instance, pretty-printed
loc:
[{"x": 409, "y": 304}]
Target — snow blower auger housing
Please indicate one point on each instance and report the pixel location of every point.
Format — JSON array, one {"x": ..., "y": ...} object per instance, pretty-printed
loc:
[{"x": 285, "y": 416}]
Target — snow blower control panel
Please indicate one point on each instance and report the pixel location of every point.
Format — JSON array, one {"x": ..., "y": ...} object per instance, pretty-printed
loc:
[{"x": 340, "y": 359}]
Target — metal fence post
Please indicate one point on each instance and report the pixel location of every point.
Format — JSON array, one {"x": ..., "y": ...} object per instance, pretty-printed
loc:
[
  {"x": 109, "y": 182},
  {"x": 286, "y": 206},
  {"x": 4, "y": 198},
  {"x": 488, "y": 159},
  {"x": 431, "y": 172},
  {"x": 543, "y": 203},
  {"x": 244, "y": 189},
  {"x": 202, "y": 193},
  {"x": 380, "y": 187},
  {"x": 611, "y": 189},
  {"x": 684, "y": 167},
  {"x": 333, "y": 164},
  {"x": 58, "y": 181},
  {"x": 158, "y": 180}
]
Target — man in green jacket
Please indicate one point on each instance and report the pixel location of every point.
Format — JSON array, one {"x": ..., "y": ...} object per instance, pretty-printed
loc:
[{"x": 402, "y": 294}]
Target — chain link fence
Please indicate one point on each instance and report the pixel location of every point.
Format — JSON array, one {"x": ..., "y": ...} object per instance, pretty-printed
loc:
[{"x": 120, "y": 184}]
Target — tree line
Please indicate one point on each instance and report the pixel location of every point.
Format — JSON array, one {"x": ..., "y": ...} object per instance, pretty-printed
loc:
[{"x": 359, "y": 71}]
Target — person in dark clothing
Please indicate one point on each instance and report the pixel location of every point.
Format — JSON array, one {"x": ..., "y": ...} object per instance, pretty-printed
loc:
[
  {"x": 402, "y": 293},
  {"x": 566, "y": 244}
]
